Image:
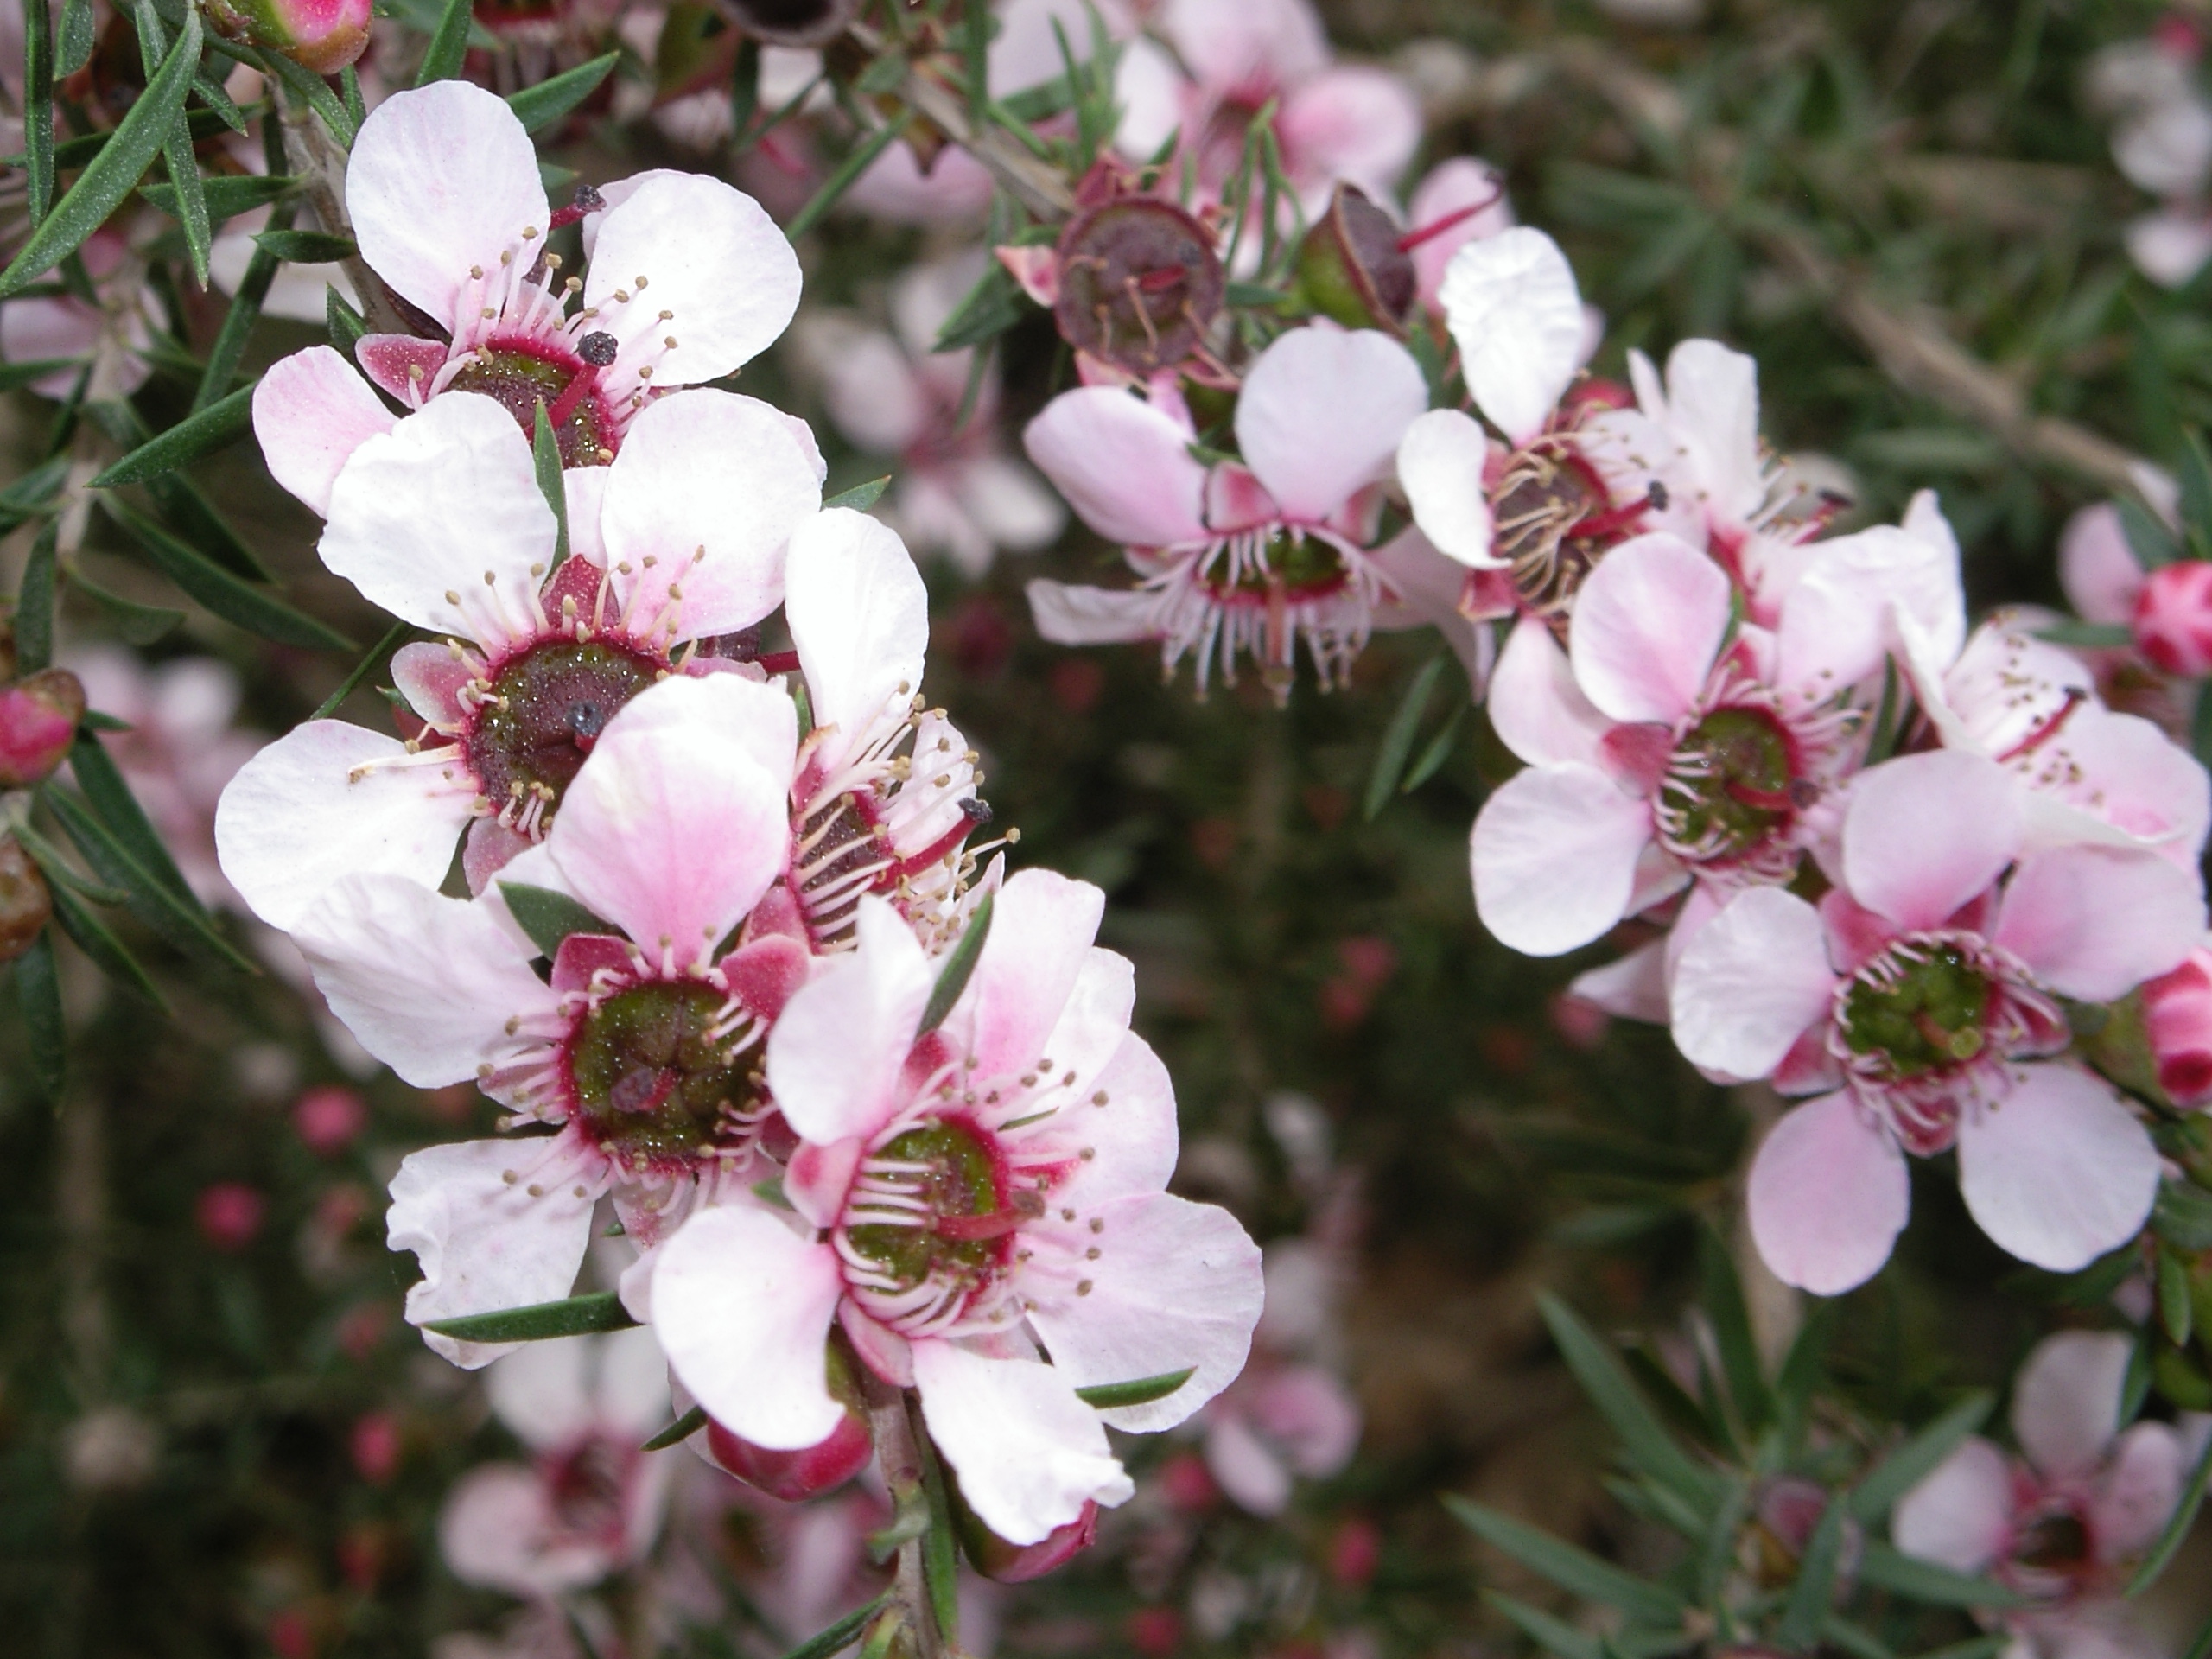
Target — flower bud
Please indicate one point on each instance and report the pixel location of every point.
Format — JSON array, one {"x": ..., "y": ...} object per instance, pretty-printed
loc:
[
  {"x": 2173, "y": 618},
  {"x": 1139, "y": 282},
  {"x": 2177, "y": 1019},
  {"x": 815, "y": 1469},
  {"x": 38, "y": 722},
  {"x": 995, "y": 1558},
  {"x": 321, "y": 35},
  {"x": 1350, "y": 268},
  {"x": 25, "y": 905}
]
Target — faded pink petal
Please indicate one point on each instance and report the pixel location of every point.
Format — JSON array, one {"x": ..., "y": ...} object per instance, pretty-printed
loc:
[
  {"x": 1647, "y": 624},
  {"x": 2096, "y": 566},
  {"x": 2059, "y": 1172},
  {"x": 2066, "y": 1400},
  {"x": 1554, "y": 854},
  {"x": 1321, "y": 414},
  {"x": 1925, "y": 833},
  {"x": 1828, "y": 1197},
  {"x": 1751, "y": 983},
  {"x": 1960, "y": 1515},
  {"x": 1124, "y": 466},
  {"x": 311, "y": 412},
  {"x": 2095, "y": 922}
]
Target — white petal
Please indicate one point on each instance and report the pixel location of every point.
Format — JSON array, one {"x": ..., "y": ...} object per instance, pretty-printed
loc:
[
  {"x": 836, "y": 1051},
  {"x": 1827, "y": 1196},
  {"x": 1960, "y": 1515},
  {"x": 1554, "y": 854},
  {"x": 310, "y": 412},
  {"x": 2058, "y": 1172},
  {"x": 1042, "y": 925},
  {"x": 1535, "y": 706},
  {"x": 1070, "y": 615},
  {"x": 542, "y": 1391},
  {"x": 1924, "y": 833},
  {"x": 1123, "y": 464},
  {"x": 859, "y": 617},
  {"x": 1321, "y": 414},
  {"x": 1647, "y": 624},
  {"x": 1511, "y": 304},
  {"x": 2095, "y": 922},
  {"x": 1440, "y": 464},
  {"x": 1752, "y": 981},
  {"x": 2066, "y": 1400}
]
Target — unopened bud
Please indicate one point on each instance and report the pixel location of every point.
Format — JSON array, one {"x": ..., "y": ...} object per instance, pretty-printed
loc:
[
  {"x": 25, "y": 905},
  {"x": 38, "y": 722},
  {"x": 2178, "y": 1020},
  {"x": 1139, "y": 282},
  {"x": 794, "y": 22},
  {"x": 321, "y": 35},
  {"x": 2173, "y": 618},
  {"x": 1350, "y": 268},
  {"x": 995, "y": 1558},
  {"x": 812, "y": 1470}
]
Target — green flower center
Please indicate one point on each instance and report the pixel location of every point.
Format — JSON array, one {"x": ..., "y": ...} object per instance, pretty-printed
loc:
[
  {"x": 1921, "y": 1012},
  {"x": 520, "y": 378},
  {"x": 659, "y": 1073},
  {"x": 545, "y": 713},
  {"x": 1728, "y": 786},
  {"x": 948, "y": 1189},
  {"x": 1298, "y": 565}
]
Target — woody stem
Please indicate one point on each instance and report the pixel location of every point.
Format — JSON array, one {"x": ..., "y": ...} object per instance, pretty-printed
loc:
[{"x": 899, "y": 1449}]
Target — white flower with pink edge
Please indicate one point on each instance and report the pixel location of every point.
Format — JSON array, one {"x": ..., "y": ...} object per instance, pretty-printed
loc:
[
  {"x": 965, "y": 1197},
  {"x": 2064, "y": 1522},
  {"x": 689, "y": 279},
  {"x": 1920, "y": 1002}
]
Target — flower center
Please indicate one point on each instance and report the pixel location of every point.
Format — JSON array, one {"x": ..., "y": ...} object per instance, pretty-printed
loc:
[
  {"x": 543, "y": 714},
  {"x": 1139, "y": 283},
  {"x": 520, "y": 374},
  {"x": 930, "y": 1221},
  {"x": 659, "y": 1071},
  {"x": 2053, "y": 1543},
  {"x": 1730, "y": 786},
  {"x": 1257, "y": 567},
  {"x": 585, "y": 1484},
  {"x": 1917, "y": 1009},
  {"x": 1554, "y": 518}
]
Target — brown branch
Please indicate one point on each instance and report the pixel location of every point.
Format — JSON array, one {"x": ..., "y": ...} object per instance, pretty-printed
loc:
[
  {"x": 901, "y": 1457},
  {"x": 321, "y": 165}
]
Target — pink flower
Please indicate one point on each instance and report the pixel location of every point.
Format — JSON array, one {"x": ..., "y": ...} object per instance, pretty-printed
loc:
[
  {"x": 641, "y": 1047},
  {"x": 110, "y": 336},
  {"x": 329, "y": 1119},
  {"x": 229, "y": 1215},
  {"x": 1243, "y": 556},
  {"x": 1918, "y": 1001},
  {"x": 439, "y": 520},
  {"x": 2177, "y": 1019},
  {"x": 688, "y": 280},
  {"x": 2064, "y": 1522},
  {"x": 1289, "y": 1415},
  {"x": 2173, "y": 618},
  {"x": 964, "y": 1198},
  {"x": 590, "y": 1501}
]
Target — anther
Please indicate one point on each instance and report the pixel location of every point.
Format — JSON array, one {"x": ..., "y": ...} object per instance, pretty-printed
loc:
[{"x": 1083, "y": 1287}]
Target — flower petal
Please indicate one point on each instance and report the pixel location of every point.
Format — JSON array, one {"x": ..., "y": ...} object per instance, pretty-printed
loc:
[
  {"x": 2135, "y": 1499},
  {"x": 1042, "y": 925},
  {"x": 1353, "y": 121},
  {"x": 1827, "y": 1196},
  {"x": 742, "y": 1306},
  {"x": 1124, "y": 465},
  {"x": 497, "y": 1531},
  {"x": 1752, "y": 981},
  {"x": 2095, "y": 922},
  {"x": 2066, "y": 1400},
  {"x": 422, "y": 514},
  {"x": 835, "y": 1052},
  {"x": 1554, "y": 854},
  {"x": 2096, "y": 566},
  {"x": 1924, "y": 833},
  {"x": 1321, "y": 414},
  {"x": 542, "y": 1392},
  {"x": 1511, "y": 304},
  {"x": 1028, "y": 1454},
  {"x": 1647, "y": 624},
  {"x": 1070, "y": 615},
  {"x": 1960, "y": 1516},
  {"x": 1441, "y": 463},
  {"x": 442, "y": 179},
  {"x": 299, "y": 815},
  {"x": 311, "y": 412},
  {"x": 1536, "y": 707},
  {"x": 706, "y": 491},
  {"x": 860, "y": 616},
  {"x": 2059, "y": 1172}
]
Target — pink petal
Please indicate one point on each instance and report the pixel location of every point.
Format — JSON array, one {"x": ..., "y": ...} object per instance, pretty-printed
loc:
[
  {"x": 423, "y": 513},
  {"x": 2066, "y": 1400},
  {"x": 1354, "y": 123},
  {"x": 1754, "y": 980},
  {"x": 1133, "y": 1134},
  {"x": 1322, "y": 412},
  {"x": 1924, "y": 833},
  {"x": 673, "y": 829},
  {"x": 498, "y": 1530},
  {"x": 860, "y": 616},
  {"x": 431, "y": 678},
  {"x": 1634, "y": 987},
  {"x": 2128, "y": 773},
  {"x": 836, "y": 1054},
  {"x": 1069, "y": 615},
  {"x": 2060, "y": 1172},
  {"x": 762, "y": 722},
  {"x": 2136, "y": 1496},
  {"x": 1960, "y": 1516},
  {"x": 401, "y": 364},
  {"x": 1245, "y": 1466},
  {"x": 1859, "y": 597},
  {"x": 440, "y": 180},
  {"x": 1536, "y": 707},
  {"x": 1042, "y": 925},
  {"x": 1512, "y": 306},
  {"x": 1712, "y": 410},
  {"x": 311, "y": 412},
  {"x": 1029, "y": 1454},
  {"x": 2097, "y": 568},
  {"x": 1555, "y": 855},
  {"x": 485, "y": 1240},
  {"x": 1647, "y": 624},
  {"x": 1124, "y": 466},
  {"x": 1440, "y": 462},
  {"x": 1312, "y": 1415},
  {"x": 1451, "y": 186},
  {"x": 299, "y": 815},
  {"x": 690, "y": 245},
  {"x": 2095, "y": 922},
  {"x": 542, "y": 1392},
  {"x": 1828, "y": 1197},
  {"x": 742, "y": 1306},
  {"x": 708, "y": 489}
]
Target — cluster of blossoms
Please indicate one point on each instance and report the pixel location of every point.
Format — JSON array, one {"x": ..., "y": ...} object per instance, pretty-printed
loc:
[
  {"x": 705, "y": 918},
  {"x": 2152, "y": 90}
]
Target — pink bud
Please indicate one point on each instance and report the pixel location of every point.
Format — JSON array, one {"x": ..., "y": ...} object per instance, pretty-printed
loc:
[
  {"x": 322, "y": 36},
  {"x": 795, "y": 1475},
  {"x": 1155, "y": 1632},
  {"x": 2173, "y": 618},
  {"x": 375, "y": 1446},
  {"x": 38, "y": 722},
  {"x": 229, "y": 1215},
  {"x": 995, "y": 1558},
  {"x": 2177, "y": 1018},
  {"x": 330, "y": 1118},
  {"x": 1355, "y": 1552}
]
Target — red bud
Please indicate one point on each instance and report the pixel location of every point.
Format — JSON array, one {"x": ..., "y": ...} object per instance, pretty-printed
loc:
[
  {"x": 321, "y": 35},
  {"x": 38, "y": 722},
  {"x": 795, "y": 1475}
]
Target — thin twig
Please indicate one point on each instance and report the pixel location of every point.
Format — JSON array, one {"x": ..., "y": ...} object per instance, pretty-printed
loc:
[
  {"x": 320, "y": 166},
  {"x": 901, "y": 1457}
]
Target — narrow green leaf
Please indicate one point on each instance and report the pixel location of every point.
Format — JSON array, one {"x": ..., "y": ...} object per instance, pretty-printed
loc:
[
  {"x": 56, "y": 866},
  {"x": 1107, "y": 1396},
  {"x": 2152, "y": 542},
  {"x": 76, "y": 48},
  {"x": 538, "y": 107},
  {"x": 2177, "y": 1526},
  {"x": 940, "y": 1548},
  {"x": 1253, "y": 295},
  {"x": 82, "y": 151},
  {"x": 92, "y": 937},
  {"x": 2175, "y": 1312},
  {"x": 744, "y": 86},
  {"x": 345, "y": 325},
  {"x": 13, "y": 375},
  {"x": 1801, "y": 1372},
  {"x": 448, "y": 44},
  {"x": 378, "y": 653},
  {"x": 1917, "y": 1458},
  {"x": 306, "y": 247},
  {"x": 178, "y": 920},
  {"x": 682, "y": 1430},
  {"x": 190, "y": 515},
  {"x": 861, "y": 497},
  {"x": 994, "y": 305},
  {"x": 1645, "y": 1439},
  {"x": 182, "y": 165},
  {"x": 1554, "y": 1635},
  {"x": 314, "y": 92},
  {"x": 34, "y": 618},
  {"x": 575, "y": 1316},
  {"x": 1716, "y": 1556},
  {"x": 1888, "y": 1569},
  {"x": 122, "y": 160},
  {"x": 1855, "y": 1640},
  {"x": 1438, "y": 752},
  {"x": 2183, "y": 1215},
  {"x": 1398, "y": 739},
  {"x": 2088, "y": 636},
  {"x": 222, "y": 593},
  {"x": 209, "y": 91},
  {"x": 134, "y": 624},
  {"x": 220, "y": 424},
  {"x": 226, "y": 198},
  {"x": 101, "y": 782},
  {"x": 842, "y": 1634},
  {"x": 952, "y": 978},
  {"x": 238, "y": 321},
  {"x": 38, "y": 994},
  {"x": 1573, "y": 1568},
  {"x": 2196, "y": 477},
  {"x": 545, "y": 455},
  {"x": 1809, "y": 1597},
  {"x": 834, "y": 187},
  {"x": 1732, "y": 1332},
  {"x": 2135, "y": 1381},
  {"x": 548, "y": 916},
  {"x": 349, "y": 92},
  {"x": 38, "y": 108},
  {"x": 34, "y": 489}
]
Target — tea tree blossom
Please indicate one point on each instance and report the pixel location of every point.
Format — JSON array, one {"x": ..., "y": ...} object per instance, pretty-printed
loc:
[
  {"x": 1241, "y": 557},
  {"x": 641, "y": 1047},
  {"x": 2064, "y": 1522},
  {"x": 1919, "y": 1003},
  {"x": 687, "y": 280},
  {"x": 962, "y": 1199},
  {"x": 440, "y": 521}
]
